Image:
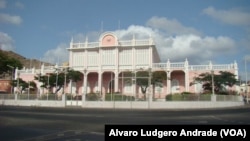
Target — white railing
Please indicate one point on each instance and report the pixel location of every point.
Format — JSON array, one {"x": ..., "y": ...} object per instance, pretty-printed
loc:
[
  {"x": 142, "y": 42},
  {"x": 125, "y": 43},
  {"x": 199, "y": 67},
  {"x": 120, "y": 43},
  {"x": 222, "y": 67},
  {"x": 85, "y": 45},
  {"x": 181, "y": 65},
  {"x": 159, "y": 65}
]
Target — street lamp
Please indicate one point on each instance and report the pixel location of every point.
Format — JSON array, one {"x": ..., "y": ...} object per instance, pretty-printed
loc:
[
  {"x": 18, "y": 89},
  {"x": 212, "y": 73},
  {"x": 48, "y": 88},
  {"x": 246, "y": 85},
  {"x": 85, "y": 85},
  {"x": 149, "y": 86}
]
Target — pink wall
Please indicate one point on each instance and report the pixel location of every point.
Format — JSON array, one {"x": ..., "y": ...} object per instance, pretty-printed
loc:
[{"x": 106, "y": 78}]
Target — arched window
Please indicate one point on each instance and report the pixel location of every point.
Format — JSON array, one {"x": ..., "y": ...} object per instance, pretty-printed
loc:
[
  {"x": 198, "y": 87},
  {"x": 175, "y": 88},
  {"x": 128, "y": 87},
  {"x": 158, "y": 87},
  {"x": 96, "y": 87}
]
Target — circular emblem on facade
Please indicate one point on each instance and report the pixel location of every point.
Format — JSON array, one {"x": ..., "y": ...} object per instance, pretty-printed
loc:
[{"x": 108, "y": 40}]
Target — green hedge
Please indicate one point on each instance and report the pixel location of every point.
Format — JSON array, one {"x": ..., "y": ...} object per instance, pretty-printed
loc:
[
  {"x": 188, "y": 97},
  {"x": 118, "y": 97}
]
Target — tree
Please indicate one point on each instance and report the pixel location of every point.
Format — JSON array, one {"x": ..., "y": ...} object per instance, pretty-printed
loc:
[
  {"x": 57, "y": 79},
  {"x": 6, "y": 61},
  {"x": 22, "y": 85},
  {"x": 224, "y": 78},
  {"x": 51, "y": 80},
  {"x": 74, "y": 76},
  {"x": 143, "y": 79}
]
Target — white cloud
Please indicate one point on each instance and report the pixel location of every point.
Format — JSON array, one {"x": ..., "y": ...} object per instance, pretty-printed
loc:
[
  {"x": 170, "y": 27},
  {"x": 173, "y": 45},
  {"x": 58, "y": 55},
  {"x": 139, "y": 32},
  {"x": 6, "y": 18},
  {"x": 233, "y": 17},
  {"x": 2, "y": 4},
  {"x": 195, "y": 48},
  {"x": 6, "y": 42}
]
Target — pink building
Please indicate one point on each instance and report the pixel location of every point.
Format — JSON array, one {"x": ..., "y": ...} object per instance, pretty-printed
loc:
[{"x": 103, "y": 64}]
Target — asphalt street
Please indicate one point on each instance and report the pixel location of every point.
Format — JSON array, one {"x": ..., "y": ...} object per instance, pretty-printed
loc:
[{"x": 78, "y": 124}]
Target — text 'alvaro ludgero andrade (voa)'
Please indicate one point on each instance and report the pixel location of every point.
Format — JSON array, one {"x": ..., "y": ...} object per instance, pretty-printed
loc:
[{"x": 173, "y": 132}]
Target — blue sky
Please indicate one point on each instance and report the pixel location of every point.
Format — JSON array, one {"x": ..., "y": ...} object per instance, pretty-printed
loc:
[{"x": 201, "y": 31}]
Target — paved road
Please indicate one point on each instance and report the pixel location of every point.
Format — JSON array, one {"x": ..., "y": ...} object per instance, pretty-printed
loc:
[{"x": 77, "y": 124}]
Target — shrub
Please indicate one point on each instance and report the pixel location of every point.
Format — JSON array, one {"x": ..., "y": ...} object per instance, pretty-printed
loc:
[{"x": 92, "y": 97}]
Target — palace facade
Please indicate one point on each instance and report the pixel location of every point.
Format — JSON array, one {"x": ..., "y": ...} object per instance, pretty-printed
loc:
[{"x": 103, "y": 64}]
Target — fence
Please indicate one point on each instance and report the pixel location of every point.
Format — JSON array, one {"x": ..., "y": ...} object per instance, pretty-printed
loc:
[
  {"x": 30, "y": 97},
  {"x": 119, "y": 101}
]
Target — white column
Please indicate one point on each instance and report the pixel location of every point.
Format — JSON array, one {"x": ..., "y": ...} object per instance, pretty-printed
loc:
[
  {"x": 85, "y": 80},
  {"x": 116, "y": 69},
  {"x": 187, "y": 81},
  {"x": 100, "y": 82},
  {"x": 168, "y": 77},
  {"x": 168, "y": 82},
  {"x": 150, "y": 57},
  {"x": 186, "y": 76},
  {"x": 133, "y": 58},
  {"x": 70, "y": 87},
  {"x": 85, "y": 62}
]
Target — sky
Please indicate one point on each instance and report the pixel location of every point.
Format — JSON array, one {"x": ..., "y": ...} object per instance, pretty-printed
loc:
[{"x": 197, "y": 30}]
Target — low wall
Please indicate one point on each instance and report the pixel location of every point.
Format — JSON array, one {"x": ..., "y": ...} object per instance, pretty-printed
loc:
[
  {"x": 161, "y": 105},
  {"x": 214, "y": 103},
  {"x": 36, "y": 103}
]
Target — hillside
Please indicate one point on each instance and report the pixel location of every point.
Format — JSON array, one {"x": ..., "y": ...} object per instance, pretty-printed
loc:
[{"x": 27, "y": 63}]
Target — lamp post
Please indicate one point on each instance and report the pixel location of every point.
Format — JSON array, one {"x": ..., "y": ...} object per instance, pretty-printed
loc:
[
  {"x": 18, "y": 75},
  {"x": 149, "y": 87},
  {"x": 246, "y": 85},
  {"x": 48, "y": 88},
  {"x": 85, "y": 85},
  {"x": 212, "y": 73}
]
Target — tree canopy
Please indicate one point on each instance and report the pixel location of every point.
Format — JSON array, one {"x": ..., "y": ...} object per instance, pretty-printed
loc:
[
  {"x": 23, "y": 85},
  {"x": 222, "y": 79},
  {"x": 7, "y": 64},
  {"x": 58, "y": 79},
  {"x": 143, "y": 78}
]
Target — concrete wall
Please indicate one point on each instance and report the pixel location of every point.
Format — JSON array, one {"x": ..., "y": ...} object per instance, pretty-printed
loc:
[
  {"x": 161, "y": 105},
  {"x": 36, "y": 103},
  {"x": 125, "y": 104}
]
